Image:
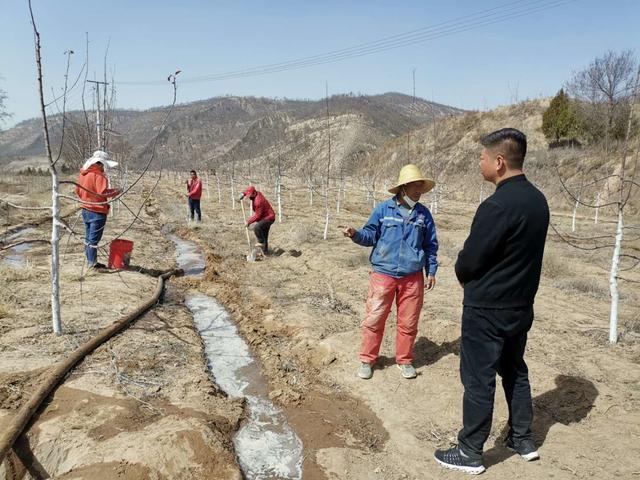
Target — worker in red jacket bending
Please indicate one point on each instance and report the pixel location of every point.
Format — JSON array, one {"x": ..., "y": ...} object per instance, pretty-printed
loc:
[{"x": 263, "y": 216}]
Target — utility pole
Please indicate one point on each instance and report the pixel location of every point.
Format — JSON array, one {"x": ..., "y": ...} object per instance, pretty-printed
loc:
[{"x": 98, "y": 125}]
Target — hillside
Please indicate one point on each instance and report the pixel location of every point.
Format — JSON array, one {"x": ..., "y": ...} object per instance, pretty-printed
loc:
[
  {"x": 207, "y": 130},
  {"x": 449, "y": 150}
]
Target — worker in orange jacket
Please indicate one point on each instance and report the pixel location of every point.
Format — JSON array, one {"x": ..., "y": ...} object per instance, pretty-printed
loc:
[{"x": 93, "y": 190}]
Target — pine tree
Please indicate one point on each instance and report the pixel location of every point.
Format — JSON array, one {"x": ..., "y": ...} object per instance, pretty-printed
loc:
[{"x": 559, "y": 120}]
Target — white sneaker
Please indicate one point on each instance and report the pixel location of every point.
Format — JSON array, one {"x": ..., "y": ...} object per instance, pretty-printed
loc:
[
  {"x": 408, "y": 371},
  {"x": 365, "y": 371}
]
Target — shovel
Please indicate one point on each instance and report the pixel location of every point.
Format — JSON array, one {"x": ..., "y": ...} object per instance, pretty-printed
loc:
[{"x": 252, "y": 253}]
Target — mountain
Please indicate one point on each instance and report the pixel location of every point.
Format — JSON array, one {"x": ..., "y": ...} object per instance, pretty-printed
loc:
[{"x": 221, "y": 130}]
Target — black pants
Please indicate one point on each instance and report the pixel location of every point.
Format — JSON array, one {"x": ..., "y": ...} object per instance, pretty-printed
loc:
[
  {"x": 493, "y": 341},
  {"x": 262, "y": 233},
  {"x": 194, "y": 206}
]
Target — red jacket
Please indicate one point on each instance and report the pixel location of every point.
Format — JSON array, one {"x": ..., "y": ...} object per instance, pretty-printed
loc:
[
  {"x": 261, "y": 209},
  {"x": 95, "y": 181},
  {"x": 194, "y": 188}
]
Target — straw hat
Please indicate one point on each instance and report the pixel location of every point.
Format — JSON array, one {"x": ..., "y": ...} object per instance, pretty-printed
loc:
[
  {"x": 102, "y": 157},
  {"x": 411, "y": 173}
]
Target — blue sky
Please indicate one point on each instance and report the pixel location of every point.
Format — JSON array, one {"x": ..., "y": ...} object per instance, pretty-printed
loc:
[{"x": 475, "y": 69}]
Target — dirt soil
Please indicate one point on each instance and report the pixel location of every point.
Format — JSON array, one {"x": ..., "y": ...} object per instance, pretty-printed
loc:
[
  {"x": 301, "y": 308},
  {"x": 143, "y": 406}
]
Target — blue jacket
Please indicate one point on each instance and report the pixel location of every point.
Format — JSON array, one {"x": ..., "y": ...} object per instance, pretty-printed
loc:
[{"x": 400, "y": 246}]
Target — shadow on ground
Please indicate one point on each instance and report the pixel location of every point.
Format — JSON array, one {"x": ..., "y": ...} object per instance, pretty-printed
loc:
[{"x": 570, "y": 402}]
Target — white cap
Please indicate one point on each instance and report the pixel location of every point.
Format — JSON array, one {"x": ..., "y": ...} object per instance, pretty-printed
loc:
[{"x": 102, "y": 157}]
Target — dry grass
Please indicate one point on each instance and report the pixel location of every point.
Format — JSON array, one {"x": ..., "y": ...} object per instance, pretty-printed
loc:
[
  {"x": 554, "y": 266},
  {"x": 71, "y": 276},
  {"x": 357, "y": 259},
  {"x": 632, "y": 325},
  {"x": 4, "y": 311},
  {"x": 447, "y": 247},
  {"x": 586, "y": 286},
  {"x": 300, "y": 234},
  {"x": 20, "y": 274}
]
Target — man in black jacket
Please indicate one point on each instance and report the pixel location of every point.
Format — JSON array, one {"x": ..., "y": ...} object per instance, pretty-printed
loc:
[{"x": 499, "y": 269}]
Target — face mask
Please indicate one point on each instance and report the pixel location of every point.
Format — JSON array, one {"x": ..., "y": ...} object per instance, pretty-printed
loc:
[{"x": 408, "y": 200}]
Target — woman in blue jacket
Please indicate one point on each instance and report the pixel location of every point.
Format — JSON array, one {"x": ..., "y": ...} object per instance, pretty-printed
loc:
[{"x": 403, "y": 236}]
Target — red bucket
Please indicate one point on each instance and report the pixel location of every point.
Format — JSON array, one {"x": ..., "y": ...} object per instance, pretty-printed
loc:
[{"x": 120, "y": 253}]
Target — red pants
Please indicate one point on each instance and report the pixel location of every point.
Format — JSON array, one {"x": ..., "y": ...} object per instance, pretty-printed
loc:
[{"x": 409, "y": 294}]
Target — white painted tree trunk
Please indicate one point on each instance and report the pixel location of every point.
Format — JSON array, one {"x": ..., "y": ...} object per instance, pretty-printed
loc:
[
  {"x": 573, "y": 219},
  {"x": 219, "y": 190},
  {"x": 206, "y": 176},
  {"x": 55, "y": 255},
  {"x": 279, "y": 197},
  {"x": 326, "y": 225},
  {"x": 338, "y": 198},
  {"x": 595, "y": 218},
  {"x": 55, "y": 200},
  {"x": 233, "y": 194},
  {"x": 310, "y": 187},
  {"x": 326, "y": 208},
  {"x": 481, "y": 193},
  {"x": 613, "y": 282}
]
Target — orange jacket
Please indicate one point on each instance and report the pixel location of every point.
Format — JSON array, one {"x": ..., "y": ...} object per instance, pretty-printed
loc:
[{"x": 94, "y": 185}]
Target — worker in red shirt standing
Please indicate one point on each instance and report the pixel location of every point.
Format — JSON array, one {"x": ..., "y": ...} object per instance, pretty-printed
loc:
[
  {"x": 194, "y": 192},
  {"x": 93, "y": 191},
  {"x": 263, "y": 216}
]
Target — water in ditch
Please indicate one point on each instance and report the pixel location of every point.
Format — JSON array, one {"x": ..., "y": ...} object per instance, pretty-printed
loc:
[
  {"x": 15, "y": 256},
  {"x": 266, "y": 446}
]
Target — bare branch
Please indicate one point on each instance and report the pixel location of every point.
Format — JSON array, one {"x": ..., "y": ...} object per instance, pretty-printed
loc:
[
  {"x": 627, "y": 279},
  {"x": 596, "y": 237},
  {"x": 172, "y": 80},
  {"x": 64, "y": 105},
  {"x": 576, "y": 199},
  {"x": 579, "y": 247},
  {"x": 55, "y": 99},
  {"x": 22, "y": 207},
  {"x": 625, "y": 150},
  {"x": 84, "y": 88},
  {"x": 22, "y": 242},
  {"x": 36, "y": 35},
  {"x": 634, "y": 265},
  {"x": 632, "y": 181}
]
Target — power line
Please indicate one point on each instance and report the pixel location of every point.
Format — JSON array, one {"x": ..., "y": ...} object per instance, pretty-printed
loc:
[
  {"x": 465, "y": 23},
  {"x": 394, "y": 41}
]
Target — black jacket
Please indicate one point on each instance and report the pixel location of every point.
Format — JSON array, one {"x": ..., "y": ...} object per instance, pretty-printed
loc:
[{"x": 501, "y": 260}]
